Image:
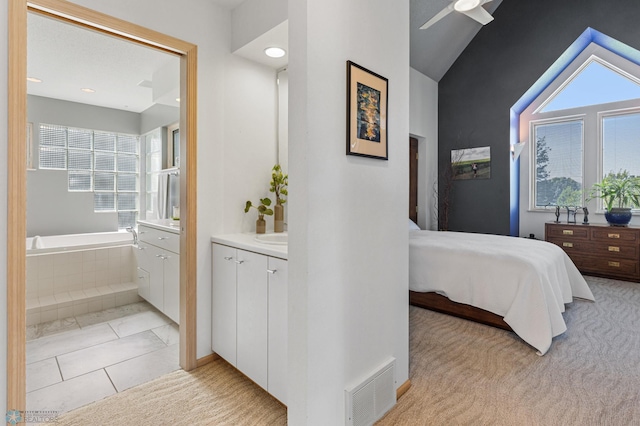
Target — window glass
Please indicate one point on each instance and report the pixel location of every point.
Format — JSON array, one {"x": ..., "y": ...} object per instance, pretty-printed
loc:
[
  {"x": 558, "y": 163},
  {"x": 621, "y": 144},
  {"x": 595, "y": 84}
]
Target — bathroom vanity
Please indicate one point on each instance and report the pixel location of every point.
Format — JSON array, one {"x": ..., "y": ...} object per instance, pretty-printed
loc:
[
  {"x": 158, "y": 255},
  {"x": 249, "y": 308}
]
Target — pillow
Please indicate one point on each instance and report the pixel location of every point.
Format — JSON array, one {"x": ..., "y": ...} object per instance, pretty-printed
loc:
[{"x": 413, "y": 226}]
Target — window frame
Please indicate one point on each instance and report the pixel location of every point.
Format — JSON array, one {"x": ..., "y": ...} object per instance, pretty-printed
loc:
[{"x": 532, "y": 154}]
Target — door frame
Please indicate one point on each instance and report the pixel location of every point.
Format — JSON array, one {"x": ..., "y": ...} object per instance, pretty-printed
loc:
[{"x": 16, "y": 174}]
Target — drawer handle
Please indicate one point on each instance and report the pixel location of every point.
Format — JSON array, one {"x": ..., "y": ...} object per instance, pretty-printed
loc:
[
  {"x": 141, "y": 248},
  {"x": 614, "y": 248},
  {"x": 162, "y": 256},
  {"x": 570, "y": 245},
  {"x": 614, "y": 264},
  {"x": 228, "y": 258},
  {"x": 142, "y": 232},
  {"x": 614, "y": 235},
  {"x": 162, "y": 238},
  {"x": 272, "y": 271},
  {"x": 567, "y": 232},
  {"x": 239, "y": 262}
]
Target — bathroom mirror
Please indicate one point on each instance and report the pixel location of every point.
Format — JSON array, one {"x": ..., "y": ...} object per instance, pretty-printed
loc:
[{"x": 283, "y": 119}]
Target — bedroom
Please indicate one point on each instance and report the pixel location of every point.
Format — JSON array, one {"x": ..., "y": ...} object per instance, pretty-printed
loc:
[{"x": 349, "y": 359}]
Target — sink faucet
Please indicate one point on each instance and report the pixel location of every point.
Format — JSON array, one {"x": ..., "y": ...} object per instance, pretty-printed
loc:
[{"x": 134, "y": 233}]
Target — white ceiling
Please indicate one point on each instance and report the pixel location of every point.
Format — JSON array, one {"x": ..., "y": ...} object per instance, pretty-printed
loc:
[{"x": 68, "y": 58}]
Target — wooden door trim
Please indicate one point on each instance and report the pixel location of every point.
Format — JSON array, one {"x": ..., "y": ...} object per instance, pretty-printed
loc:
[{"x": 16, "y": 174}]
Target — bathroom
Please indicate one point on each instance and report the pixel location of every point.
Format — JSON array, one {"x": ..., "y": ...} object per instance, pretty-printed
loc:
[{"x": 81, "y": 260}]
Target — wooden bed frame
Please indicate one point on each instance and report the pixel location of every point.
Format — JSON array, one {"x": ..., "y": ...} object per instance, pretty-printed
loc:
[{"x": 439, "y": 303}]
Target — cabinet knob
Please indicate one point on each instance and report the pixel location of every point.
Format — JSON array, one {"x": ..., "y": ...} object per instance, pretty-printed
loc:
[
  {"x": 228, "y": 258},
  {"x": 162, "y": 256},
  {"x": 272, "y": 271},
  {"x": 239, "y": 262},
  {"x": 141, "y": 248}
]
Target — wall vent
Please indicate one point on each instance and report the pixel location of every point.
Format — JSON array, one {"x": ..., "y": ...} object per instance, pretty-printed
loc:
[{"x": 372, "y": 398}]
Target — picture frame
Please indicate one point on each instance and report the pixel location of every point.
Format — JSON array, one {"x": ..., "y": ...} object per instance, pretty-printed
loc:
[
  {"x": 367, "y": 112},
  {"x": 471, "y": 163}
]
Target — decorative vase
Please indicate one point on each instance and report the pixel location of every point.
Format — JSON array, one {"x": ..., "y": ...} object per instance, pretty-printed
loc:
[
  {"x": 278, "y": 224},
  {"x": 261, "y": 225},
  {"x": 618, "y": 216}
]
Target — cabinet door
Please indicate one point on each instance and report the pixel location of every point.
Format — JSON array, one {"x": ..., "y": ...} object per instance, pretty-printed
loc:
[
  {"x": 223, "y": 302},
  {"x": 142, "y": 276},
  {"x": 278, "y": 331},
  {"x": 252, "y": 316},
  {"x": 172, "y": 286},
  {"x": 149, "y": 262}
]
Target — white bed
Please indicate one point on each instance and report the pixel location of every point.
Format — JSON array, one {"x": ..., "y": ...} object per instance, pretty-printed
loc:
[{"x": 527, "y": 282}]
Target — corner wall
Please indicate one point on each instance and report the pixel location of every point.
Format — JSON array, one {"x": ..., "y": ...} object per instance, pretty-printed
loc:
[
  {"x": 4, "y": 18},
  {"x": 503, "y": 61},
  {"x": 348, "y": 248}
]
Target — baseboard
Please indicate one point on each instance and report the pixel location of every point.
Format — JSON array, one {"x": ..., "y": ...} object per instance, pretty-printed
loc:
[
  {"x": 403, "y": 389},
  {"x": 207, "y": 359}
]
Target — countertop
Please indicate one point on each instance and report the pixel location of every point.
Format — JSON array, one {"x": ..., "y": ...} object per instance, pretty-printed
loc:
[
  {"x": 169, "y": 225},
  {"x": 247, "y": 241}
]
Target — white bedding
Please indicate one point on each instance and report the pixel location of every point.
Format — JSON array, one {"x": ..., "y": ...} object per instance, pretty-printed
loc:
[{"x": 525, "y": 281}]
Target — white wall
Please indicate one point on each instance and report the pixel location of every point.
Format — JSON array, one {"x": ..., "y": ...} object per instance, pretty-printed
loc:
[
  {"x": 423, "y": 124},
  {"x": 348, "y": 249},
  {"x": 250, "y": 133},
  {"x": 252, "y": 18},
  {"x": 158, "y": 115},
  {"x": 4, "y": 16}
]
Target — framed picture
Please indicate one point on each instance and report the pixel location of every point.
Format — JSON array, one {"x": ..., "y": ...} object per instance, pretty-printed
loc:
[
  {"x": 366, "y": 113},
  {"x": 471, "y": 163}
]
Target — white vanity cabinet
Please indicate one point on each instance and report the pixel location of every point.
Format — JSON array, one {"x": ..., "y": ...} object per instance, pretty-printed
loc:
[
  {"x": 249, "y": 314},
  {"x": 159, "y": 268}
]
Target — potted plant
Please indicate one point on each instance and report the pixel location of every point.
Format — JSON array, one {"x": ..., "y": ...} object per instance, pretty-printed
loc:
[
  {"x": 620, "y": 192},
  {"x": 279, "y": 182},
  {"x": 263, "y": 208}
]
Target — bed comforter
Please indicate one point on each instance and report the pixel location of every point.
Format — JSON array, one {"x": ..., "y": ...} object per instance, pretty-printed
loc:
[{"x": 525, "y": 281}]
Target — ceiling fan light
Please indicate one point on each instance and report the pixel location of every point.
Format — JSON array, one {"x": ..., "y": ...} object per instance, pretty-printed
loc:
[{"x": 466, "y": 5}]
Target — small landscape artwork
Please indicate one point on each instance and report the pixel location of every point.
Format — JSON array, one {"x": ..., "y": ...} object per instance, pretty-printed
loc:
[
  {"x": 368, "y": 113},
  {"x": 471, "y": 163}
]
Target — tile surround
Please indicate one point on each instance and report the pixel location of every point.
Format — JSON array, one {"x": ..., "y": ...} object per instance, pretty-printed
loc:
[{"x": 61, "y": 285}]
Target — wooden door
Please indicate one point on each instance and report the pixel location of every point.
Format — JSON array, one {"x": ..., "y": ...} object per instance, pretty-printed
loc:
[{"x": 413, "y": 179}]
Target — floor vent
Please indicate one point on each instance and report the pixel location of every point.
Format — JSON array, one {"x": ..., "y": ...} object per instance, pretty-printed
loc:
[{"x": 370, "y": 400}]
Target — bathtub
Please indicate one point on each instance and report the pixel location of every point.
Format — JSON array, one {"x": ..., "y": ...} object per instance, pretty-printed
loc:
[
  {"x": 60, "y": 243},
  {"x": 71, "y": 275}
]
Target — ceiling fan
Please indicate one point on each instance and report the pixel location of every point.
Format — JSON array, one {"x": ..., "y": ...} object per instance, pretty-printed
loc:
[{"x": 471, "y": 8}]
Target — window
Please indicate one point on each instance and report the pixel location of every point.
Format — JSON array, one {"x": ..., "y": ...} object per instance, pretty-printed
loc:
[
  {"x": 100, "y": 162},
  {"x": 558, "y": 163},
  {"x": 583, "y": 126}
]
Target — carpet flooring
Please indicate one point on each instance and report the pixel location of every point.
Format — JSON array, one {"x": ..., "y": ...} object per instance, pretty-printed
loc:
[{"x": 462, "y": 373}]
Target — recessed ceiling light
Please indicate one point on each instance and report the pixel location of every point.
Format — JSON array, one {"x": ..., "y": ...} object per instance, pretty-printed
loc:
[
  {"x": 274, "y": 52},
  {"x": 465, "y": 5},
  {"x": 87, "y": 90},
  {"x": 34, "y": 80}
]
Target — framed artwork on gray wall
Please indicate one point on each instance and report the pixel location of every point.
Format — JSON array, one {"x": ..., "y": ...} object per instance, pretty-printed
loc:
[
  {"x": 471, "y": 163},
  {"x": 366, "y": 113}
]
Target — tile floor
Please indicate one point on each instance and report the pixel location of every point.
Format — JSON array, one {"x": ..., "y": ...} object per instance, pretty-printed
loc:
[{"x": 78, "y": 360}]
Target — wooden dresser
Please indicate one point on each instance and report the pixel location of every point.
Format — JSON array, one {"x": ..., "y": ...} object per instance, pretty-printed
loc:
[{"x": 599, "y": 249}]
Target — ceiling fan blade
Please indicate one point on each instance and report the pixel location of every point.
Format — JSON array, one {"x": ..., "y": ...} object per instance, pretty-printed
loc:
[
  {"x": 444, "y": 12},
  {"x": 480, "y": 15}
]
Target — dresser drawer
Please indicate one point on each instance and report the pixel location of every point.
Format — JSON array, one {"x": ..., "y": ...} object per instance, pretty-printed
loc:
[
  {"x": 568, "y": 231},
  {"x": 162, "y": 239},
  {"x": 611, "y": 266},
  {"x": 571, "y": 245},
  {"x": 612, "y": 234},
  {"x": 615, "y": 250}
]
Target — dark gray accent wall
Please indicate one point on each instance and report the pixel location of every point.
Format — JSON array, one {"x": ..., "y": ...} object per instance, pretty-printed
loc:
[{"x": 501, "y": 63}]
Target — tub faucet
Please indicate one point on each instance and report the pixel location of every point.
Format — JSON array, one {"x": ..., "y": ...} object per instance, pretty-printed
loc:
[{"x": 134, "y": 233}]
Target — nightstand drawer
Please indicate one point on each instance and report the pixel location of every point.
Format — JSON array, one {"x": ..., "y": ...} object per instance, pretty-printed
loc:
[
  {"x": 572, "y": 245},
  {"x": 614, "y": 250}
]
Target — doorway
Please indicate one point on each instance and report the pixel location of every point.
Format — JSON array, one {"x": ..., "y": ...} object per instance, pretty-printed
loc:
[{"x": 16, "y": 185}]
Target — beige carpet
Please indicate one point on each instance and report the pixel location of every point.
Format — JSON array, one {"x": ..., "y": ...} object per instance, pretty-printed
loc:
[
  {"x": 464, "y": 373},
  {"x": 215, "y": 394}
]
